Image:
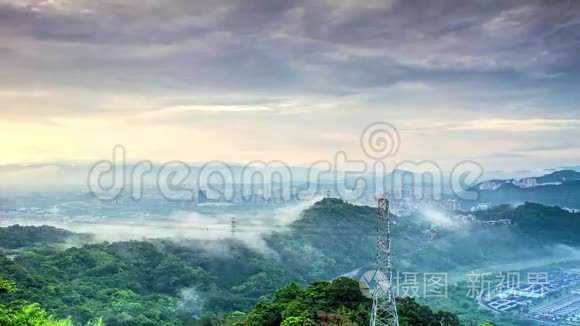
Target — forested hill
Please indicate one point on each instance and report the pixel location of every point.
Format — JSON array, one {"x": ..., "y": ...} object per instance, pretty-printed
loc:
[
  {"x": 160, "y": 283},
  {"x": 339, "y": 302},
  {"x": 335, "y": 218},
  {"x": 335, "y": 213},
  {"x": 165, "y": 282},
  {"x": 333, "y": 237},
  {"x": 16, "y": 236},
  {"x": 544, "y": 224}
]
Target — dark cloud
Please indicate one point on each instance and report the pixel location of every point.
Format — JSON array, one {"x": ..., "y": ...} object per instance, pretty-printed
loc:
[
  {"x": 512, "y": 57},
  {"x": 478, "y": 35}
]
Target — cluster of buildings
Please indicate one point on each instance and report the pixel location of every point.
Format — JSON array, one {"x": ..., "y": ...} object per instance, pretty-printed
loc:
[
  {"x": 432, "y": 231},
  {"x": 522, "y": 183},
  {"x": 405, "y": 206},
  {"x": 471, "y": 219},
  {"x": 481, "y": 207},
  {"x": 563, "y": 311},
  {"x": 555, "y": 302}
]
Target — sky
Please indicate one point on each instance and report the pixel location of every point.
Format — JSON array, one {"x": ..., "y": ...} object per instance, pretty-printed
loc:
[{"x": 496, "y": 82}]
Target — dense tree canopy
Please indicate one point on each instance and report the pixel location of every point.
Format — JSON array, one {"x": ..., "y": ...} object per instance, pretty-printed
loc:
[
  {"x": 339, "y": 302},
  {"x": 163, "y": 282}
]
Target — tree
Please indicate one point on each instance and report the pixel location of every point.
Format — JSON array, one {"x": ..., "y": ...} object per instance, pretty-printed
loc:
[
  {"x": 297, "y": 321},
  {"x": 447, "y": 318},
  {"x": 6, "y": 286},
  {"x": 18, "y": 313},
  {"x": 28, "y": 314}
]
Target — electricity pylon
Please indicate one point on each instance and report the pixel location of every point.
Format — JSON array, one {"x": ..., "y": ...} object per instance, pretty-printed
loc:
[{"x": 384, "y": 306}]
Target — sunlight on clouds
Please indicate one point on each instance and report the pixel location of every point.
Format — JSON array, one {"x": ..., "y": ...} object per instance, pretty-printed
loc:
[
  {"x": 203, "y": 108},
  {"x": 23, "y": 93},
  {"x": 518, "y": 125},
  {"x": 91, "y": 139}
]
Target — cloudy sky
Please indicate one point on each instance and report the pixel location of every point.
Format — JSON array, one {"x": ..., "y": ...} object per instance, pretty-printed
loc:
[{"x": 493, "y": 81}]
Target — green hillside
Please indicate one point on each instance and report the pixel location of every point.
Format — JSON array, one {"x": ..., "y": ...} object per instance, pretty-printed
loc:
[{"x": 164, "y": 282}]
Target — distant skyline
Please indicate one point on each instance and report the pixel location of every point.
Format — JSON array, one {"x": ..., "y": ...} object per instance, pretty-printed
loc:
[{"x": 497, "y": 82}]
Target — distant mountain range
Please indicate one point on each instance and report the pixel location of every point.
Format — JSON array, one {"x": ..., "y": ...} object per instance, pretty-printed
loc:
[
  {"x": 560, "y": 188},
  {"x": 557, "y": 177}
]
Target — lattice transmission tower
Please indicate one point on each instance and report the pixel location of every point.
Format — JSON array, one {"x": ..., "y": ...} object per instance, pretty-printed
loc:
[{"x": 384, "y": 310}]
